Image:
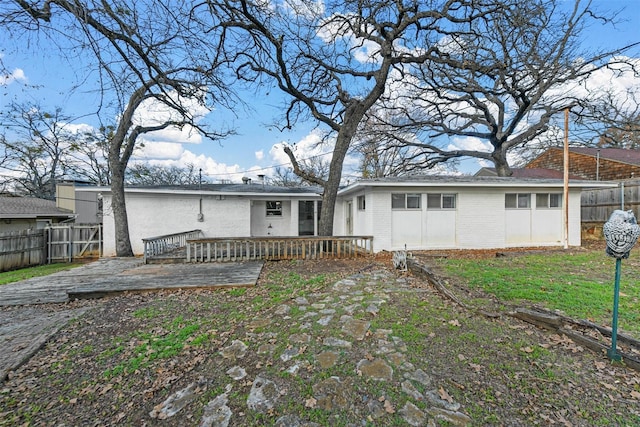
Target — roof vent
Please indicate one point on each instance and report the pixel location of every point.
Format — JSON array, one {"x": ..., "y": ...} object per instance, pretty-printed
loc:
[{"x": 246, "y": 180}]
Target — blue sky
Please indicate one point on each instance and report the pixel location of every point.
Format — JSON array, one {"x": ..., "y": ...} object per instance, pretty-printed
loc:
[{"x": 46, "y": 79}]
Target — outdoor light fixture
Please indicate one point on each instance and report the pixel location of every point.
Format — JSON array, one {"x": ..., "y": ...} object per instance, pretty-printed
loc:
[{"x": 621, "y": 233}]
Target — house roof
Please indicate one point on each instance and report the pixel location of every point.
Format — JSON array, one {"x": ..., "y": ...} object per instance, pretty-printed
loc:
[
  {"x": 252, "y": 189},
  {"x": 472, "y": 181},
  {"x": 30, "y": 207}
]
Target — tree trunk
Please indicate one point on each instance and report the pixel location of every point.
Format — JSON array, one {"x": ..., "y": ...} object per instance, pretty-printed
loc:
[
  {"x": 348, "y": 129},
  {"x": 501, "y": 163},
  {"x": 119, "y": 208}
]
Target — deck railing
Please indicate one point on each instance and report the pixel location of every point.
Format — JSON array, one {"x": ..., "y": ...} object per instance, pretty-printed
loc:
[
  {"x": 154, "y": 246},
  {"x": 277, "y": 248}
]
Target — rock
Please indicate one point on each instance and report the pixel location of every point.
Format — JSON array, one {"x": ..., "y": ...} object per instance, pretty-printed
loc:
[
  {"x": 237, "y": 373},
  {"x": 420, "y": 376},
  {"x": 434, "y": 399},
  {"x": 263, "y": 395},
  {"x": 356, "y": 328},
  {"x": 236, "y": 350},
  {"x": 300, "y": 338},
  {"x": 336, "y": 342},
  {"x": 217, "y": 413},
  {"x": 301, "y": 301},
  {"x": 266, "y": 348},
  {"x": 324, "y": 321},
  {"x": 412, "y": 414},
  {"x": 413, "y": 392},
  {"x": 327, "y": 359},
  {"x": 451, "y": 417},
  {"x": 282, "y": 310},
  {"x": 175, "y": 403},
  {"x": 397, "y": 359},
  {"x": 375, "y": 408},
  {"x": 289, "y": 354},
  {"x": 376, "y": 369},
  {"x": 330, "y": 394}
]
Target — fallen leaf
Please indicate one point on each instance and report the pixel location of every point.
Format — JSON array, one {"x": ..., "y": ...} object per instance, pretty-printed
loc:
[
  {"x": 310, "y": 403},
  {"x": 454, "y": 322},
  {"x": 444, "y": 395},
  {"x": 106, "y": 389},
  {"x": 527, "y": 349},
  {"x": 635, "y": 395},
  {"x": 388, "y": 407}
]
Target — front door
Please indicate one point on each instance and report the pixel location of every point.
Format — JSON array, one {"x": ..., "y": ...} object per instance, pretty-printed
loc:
[{"x": 305, "y": 218}]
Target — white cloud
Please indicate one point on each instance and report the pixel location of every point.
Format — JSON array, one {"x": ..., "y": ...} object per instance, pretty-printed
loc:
[
  {"x": 159, "y": 150},
  {"x": 259, "y": 155},
  {"x": 15, "y": 76},
  {"x": 153, "y": 112},
  {"x": 469, "y": 143}
]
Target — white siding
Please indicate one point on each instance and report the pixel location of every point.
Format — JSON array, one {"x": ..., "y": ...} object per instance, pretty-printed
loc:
[
  {"x": 263, "y": 225},
  {"x": 440, "y": 229},
  {"x": 151, "y": 215},
  {"x": 480, "y": 220}
]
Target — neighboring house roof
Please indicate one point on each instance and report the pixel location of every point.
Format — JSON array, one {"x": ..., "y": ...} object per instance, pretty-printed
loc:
[
  {"x": 471, "y": 181},
  {"x": 528, "y": 173},
  {"x": 622, "y": 155},
  {"x": 31, "y": 207}
]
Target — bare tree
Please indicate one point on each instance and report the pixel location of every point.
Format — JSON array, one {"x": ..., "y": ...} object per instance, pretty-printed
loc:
[
  {"x": 144, "y": 174},
  {"x": 502, "y": 79},
  {"x": 34, "y": 148},
  {"x": 146, "y": 51},
  {"x": 333, "y": 59}
]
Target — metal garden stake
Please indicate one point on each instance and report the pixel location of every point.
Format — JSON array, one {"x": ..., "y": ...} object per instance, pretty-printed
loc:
[{"x": 621, "y": 233}]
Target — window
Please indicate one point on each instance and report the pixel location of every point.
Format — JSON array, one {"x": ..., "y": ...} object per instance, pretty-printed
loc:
[
  {"x": 441, "y": 201},
  {"x": 274, "y": 208},
  {"x": 405, "y": 201},
  {"x": 548, "y": 200},
  {"x": 517, "y": 201},
  {"x": 361, "y": 203}
]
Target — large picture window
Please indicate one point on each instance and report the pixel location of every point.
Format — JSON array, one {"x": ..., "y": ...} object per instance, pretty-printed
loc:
[
  {"x": 548, "y": 200},
  {"x": 441, "y": 201},
  {"x": 517, "y": 201},
  {"x": 405, "y": 201},
  {"x": 274, "y": 208}
]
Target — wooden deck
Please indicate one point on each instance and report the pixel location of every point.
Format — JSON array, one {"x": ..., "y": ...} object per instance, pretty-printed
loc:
[{"x": 109, "y": 276}]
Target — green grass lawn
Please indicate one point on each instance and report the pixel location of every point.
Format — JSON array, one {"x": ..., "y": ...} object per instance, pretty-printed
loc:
[
  {"x": 27, "y": 273},
  {"x": 580, "y": 284}
]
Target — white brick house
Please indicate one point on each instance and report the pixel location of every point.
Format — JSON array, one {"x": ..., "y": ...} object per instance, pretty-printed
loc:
[
  {"x": 424, "y": 212},
  {"x": 439, "y": 212},
  {"x": 219, "y": 210}
]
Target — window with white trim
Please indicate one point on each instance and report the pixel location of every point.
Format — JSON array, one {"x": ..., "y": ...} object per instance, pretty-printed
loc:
[
  {"x": 274, "y": 208},
  {"x": 441, "y": 201},
  {"x": 517, "y": 201},
  {"x": 405, "y": 201},
  {"x": 548, "y": 200},
  {"x": 361, "y": 203}
]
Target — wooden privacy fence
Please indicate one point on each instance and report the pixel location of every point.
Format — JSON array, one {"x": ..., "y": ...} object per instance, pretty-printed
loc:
[
  {"x": 277, "y": 248},
  {"x": 57, "y": 242},
  {"x": 22, "y": 249},
  {"x": 67, "y": 242},
  {"x": 598, "y": 204}
]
